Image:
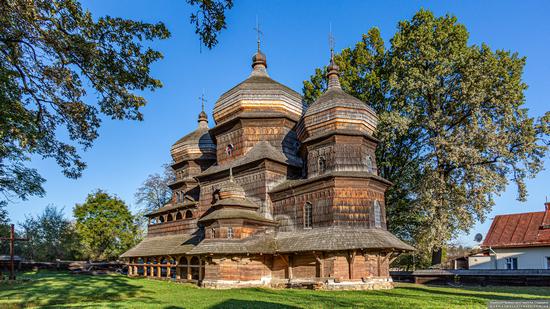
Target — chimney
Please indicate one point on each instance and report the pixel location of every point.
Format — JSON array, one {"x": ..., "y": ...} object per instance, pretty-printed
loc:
[{"x": 547, "y": 206}]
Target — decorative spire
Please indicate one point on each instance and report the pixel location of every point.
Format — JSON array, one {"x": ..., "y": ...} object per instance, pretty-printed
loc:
[
  {"x": 203, "y": 118},
  {"x": 259, "y": 61},
  {"x": 333, "y": 69},
  {"x": 258, "y": 32}
]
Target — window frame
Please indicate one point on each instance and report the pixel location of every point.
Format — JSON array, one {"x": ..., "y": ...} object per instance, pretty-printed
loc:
[
  {"x": 321, "y": 165},
  {"x": 370, "y": 164},
  {"x": 308, "y": 215},
  {"x": 377, "y": 212},
  {"x": 511, "y": 263}
]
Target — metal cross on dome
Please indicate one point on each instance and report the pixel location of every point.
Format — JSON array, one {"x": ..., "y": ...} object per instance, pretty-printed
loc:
[
  {"x": 259, "y": 33},
  {"x": 202, "y": 100},
  {"x": 331, "y": 41}
]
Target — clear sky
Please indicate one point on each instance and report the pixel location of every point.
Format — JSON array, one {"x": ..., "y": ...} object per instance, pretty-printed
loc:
[{"x": 295, "y": 42}]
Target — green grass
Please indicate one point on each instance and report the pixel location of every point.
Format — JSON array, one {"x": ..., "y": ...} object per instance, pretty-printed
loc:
[{"x": 58, "y": 289}]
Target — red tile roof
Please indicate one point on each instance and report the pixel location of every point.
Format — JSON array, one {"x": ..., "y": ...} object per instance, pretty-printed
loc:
[{"x": 531, "y": 229}]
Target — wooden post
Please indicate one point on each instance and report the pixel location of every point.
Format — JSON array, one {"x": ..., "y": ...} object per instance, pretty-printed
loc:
[
  {"x": 145, "y": 267},
  {"x": 351, "y": 261},
  {"x": 12, "y": 240},
  {"x": 379, "y": 264},
  {"x": 178, "y": 270},
  {"x": 320, "y": 262},
  {"x": 159, "y": 268},
  {"x": 200, "y": 268},
  {"x": 189, "y": 276},
  {"x": 290, "y": 262},
  {"x": 130, "y": 267}
]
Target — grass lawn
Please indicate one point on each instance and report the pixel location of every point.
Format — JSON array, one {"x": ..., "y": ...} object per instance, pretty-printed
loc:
[{"x": 58, "y": 289}]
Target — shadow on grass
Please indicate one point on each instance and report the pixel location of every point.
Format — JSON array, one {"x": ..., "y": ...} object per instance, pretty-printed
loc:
[
  {"x": 486, "y": 293},
  {"x": 238, "y": 303},
  {"x": 58, "y": 288}
]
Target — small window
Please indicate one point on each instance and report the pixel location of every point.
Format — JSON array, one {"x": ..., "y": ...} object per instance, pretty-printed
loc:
[
  {"x": 179, "y": 216},
  {"x": 161, "y": 219},
  {"x": 170, "y": 218},
  {"x": 322, "y": 165},
  {"x": 377, "y": 215},
  {"x": 370, "y": 165},
  {"x": 512, "y": 263},
  {"x": 229, "y": 233},
  {"x": 308, "y": 215},
  {"x": 213, "y": 233},
  {"x": 188, "y": 214},
  {"x": 229, "y": 150}
]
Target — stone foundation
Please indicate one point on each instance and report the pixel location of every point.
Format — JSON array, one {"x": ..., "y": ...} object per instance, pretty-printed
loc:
[{"x": 314, "y": 284}]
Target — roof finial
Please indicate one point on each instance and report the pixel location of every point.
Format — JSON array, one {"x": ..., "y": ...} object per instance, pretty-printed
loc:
[
  {"x": 258, "y": 32},
  {"x": 332, "y": 74},
  {"x": 202, "y": 100},
  {"x": 203, "y": 118},
  {"x": 259, "y": 62},
  {"x": 331, "y": 43}
]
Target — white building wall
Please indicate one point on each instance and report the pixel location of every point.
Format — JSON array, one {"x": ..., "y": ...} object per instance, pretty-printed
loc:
[
  {"x": 481, "y": 262},
  {"x": 528, "y": 258}
]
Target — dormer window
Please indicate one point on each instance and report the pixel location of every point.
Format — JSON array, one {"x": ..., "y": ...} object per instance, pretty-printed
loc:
[
  {"x": 229, "y": 150},
  {"x": 322, "y": 165}
]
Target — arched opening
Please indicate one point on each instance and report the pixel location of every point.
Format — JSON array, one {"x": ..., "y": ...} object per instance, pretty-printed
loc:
[
  {"x": 194, "y": 264},
  {"x": 178, "y": 216},
  {"x": 161, "y": 219},
  {"x": 308, "y": 215},
  {"x": 170, "y": 218},
  {"x": 188, "y": 214},
  {"x": 322, "y": 165},
  {"x": 370, "y": 165},
  {"x": 229, "y": 149}
]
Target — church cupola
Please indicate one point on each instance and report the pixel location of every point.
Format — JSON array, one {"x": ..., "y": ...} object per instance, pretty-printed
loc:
[
  {"x": 337, "y": 130},
  {"x": 257, "y": 109},
  {"x": 195, "y": 145}
]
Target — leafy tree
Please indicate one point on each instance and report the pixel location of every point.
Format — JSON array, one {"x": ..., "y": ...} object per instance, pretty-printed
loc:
[
  {"x": 51, "y": 236},
  {"x": 105, "y": 226},
  {"x": 4, "y": 228},
  {"x": 154, "y": 192},
  {"x": 54, "y": 56},
  {"x": 453, "y": 127},
  {"x": 209, "y": 19}
]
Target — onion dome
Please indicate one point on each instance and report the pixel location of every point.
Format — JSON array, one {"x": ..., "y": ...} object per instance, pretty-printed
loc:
[
  {"x": 258, "y": 96},
  {"x": 231, "y": 189},
  {"x": 337, "y": 111},
  {"x": 195, "y": 145}
]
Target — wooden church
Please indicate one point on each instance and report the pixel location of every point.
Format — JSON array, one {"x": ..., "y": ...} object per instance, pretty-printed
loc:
[{"x": 274, "y": 194}]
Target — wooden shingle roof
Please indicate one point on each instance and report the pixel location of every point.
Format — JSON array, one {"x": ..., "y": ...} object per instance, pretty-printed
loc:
[{"x": 163, "y": 245}]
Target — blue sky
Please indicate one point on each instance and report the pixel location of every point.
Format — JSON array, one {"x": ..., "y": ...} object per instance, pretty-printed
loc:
[{"x": 295, "y": 41}]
